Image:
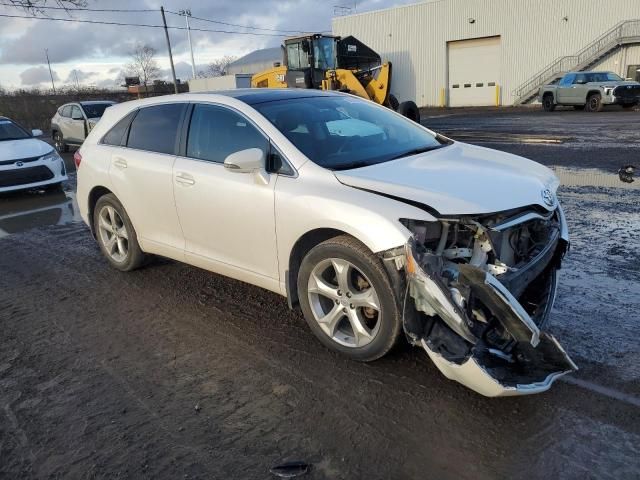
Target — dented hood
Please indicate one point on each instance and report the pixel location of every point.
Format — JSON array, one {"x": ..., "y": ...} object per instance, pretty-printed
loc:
[{"x": 459, "y": 179}]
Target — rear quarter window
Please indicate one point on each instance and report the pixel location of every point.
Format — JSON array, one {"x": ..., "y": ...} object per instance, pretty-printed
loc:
[
  {"x": 117, "y": 135},
  {"x": 155, "y": 128}
]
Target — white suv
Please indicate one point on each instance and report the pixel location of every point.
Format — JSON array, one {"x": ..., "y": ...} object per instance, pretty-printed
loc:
[
  {"x": 73, "y": 121},
  {"x": 372, "y": 224}
]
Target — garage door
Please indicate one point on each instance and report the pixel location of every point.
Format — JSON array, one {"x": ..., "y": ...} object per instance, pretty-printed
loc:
[{"x": 474, "y": 71}]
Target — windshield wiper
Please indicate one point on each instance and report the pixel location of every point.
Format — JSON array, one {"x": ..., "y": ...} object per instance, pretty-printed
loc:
[{"x": 416, "y": 151}]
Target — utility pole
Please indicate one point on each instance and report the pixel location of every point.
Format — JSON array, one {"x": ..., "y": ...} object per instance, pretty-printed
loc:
[
  {"x": 166, "y": 33},
  {"x": 187, "y": 14},
  {"x": 46, "y": 52}
]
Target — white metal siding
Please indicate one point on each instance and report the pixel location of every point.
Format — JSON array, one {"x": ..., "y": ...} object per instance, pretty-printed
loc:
[
  {"x": 474, "y": 71},
  {"x": 533, "y": 34}
]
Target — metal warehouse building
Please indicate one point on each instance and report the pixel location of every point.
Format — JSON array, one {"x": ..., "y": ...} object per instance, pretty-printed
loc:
[{"x": 497, "y": 52}]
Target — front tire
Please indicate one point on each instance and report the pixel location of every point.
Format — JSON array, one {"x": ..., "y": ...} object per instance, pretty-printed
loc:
[
  {"x": 115, "y": 234},
  {"x": 594, "y": 103},
  {"x": 410, "y": 110},
  {"x": 347, "y": 299},
  {"x": 548, "y": 104}
]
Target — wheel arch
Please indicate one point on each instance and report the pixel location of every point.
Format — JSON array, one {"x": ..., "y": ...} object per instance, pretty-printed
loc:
[
  {"x": 301, "y": 247},
  {"x": 549, "y": 94},
  {"x": 594, "y": 92},
  {"x": 94, "y": 195}
]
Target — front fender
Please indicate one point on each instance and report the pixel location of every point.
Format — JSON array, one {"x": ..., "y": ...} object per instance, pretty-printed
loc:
[{"x": 321, "y": 202}]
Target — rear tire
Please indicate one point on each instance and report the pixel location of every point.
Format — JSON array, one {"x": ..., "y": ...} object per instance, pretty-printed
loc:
[
  {"x": 347, "y": 299},
  {"x": 547, "y": 103},
  {"x": 59, "y": 144},
  {"x": 410, "y": 110},
  {"x": 594, "y": 103},
  {"x": 392, "y": 102},
  {"x": 115, "y": 234}
]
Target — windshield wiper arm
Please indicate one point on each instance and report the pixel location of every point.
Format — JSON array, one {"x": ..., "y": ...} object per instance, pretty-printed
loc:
[{"x": 416, "y": 151}]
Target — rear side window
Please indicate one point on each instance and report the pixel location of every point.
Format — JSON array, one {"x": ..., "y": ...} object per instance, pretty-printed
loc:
[
  {"x": 76, "y": 113},
  {"x": 217, "y": 132},
  {"x": 116, "y": 136},
  {"x": 155, "y": 128}
]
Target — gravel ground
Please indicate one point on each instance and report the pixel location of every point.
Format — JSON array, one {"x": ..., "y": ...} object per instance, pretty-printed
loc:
[{"x": 174, "y": 372}]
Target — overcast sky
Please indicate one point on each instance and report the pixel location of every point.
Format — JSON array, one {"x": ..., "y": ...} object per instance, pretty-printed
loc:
[{"x": 97, "y": 53}]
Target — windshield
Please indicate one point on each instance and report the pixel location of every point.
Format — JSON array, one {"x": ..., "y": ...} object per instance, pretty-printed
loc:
[
  {"x": 602, "y": 77},
  {"x": 95, "y": 110},
  {"x": 324, "y": 53},
  {"x": 12, "y": 131},
  {"x": 339, "y": 133}
]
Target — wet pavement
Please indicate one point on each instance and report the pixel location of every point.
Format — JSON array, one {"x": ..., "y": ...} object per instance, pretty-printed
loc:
[{"x": 173, "y": 372}]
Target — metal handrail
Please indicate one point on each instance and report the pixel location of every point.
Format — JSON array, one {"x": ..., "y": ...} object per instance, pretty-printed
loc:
[{"x": 627, "y": 28}]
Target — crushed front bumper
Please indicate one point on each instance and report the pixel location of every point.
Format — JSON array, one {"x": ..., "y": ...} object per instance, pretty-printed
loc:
[{"x": 533, "y": 359}]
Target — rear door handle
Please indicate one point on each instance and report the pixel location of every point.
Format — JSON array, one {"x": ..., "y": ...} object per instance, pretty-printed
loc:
[
  {"x": 120, "y": 163},
  {"x": 185, "y": 179}
]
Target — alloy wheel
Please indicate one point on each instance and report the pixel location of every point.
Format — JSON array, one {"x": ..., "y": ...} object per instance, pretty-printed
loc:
[
  {"x": 344, "y": 302},
  {"x": 113, "y": 233}
]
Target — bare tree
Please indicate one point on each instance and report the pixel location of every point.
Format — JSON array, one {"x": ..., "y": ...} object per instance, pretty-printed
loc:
[
  {"x": 36, "y": 6},
  {"x": 143, "y": 65},
  {"x": 219, "y": 67}
]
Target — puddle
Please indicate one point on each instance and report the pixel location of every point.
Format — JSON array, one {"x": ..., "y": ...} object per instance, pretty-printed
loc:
[
  {"x": 26, "y": 210},
  {"x": 593, "y": 177}
]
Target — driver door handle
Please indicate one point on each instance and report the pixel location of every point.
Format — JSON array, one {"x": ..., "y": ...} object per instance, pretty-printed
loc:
[{"x": 120, "y": 163}]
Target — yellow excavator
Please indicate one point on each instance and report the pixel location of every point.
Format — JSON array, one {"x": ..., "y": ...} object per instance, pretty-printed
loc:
[{"x": 327, "y": 62}]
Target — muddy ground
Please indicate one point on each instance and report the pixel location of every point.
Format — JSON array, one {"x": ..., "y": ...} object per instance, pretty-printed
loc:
[{"x": 173, "y": 372}]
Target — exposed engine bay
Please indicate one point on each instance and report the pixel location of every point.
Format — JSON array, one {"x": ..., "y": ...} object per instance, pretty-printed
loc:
[{"x": 478, "y": 292}]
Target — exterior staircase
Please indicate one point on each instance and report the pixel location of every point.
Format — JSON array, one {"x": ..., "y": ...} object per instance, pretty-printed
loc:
[{"x": 624, "y": 33}]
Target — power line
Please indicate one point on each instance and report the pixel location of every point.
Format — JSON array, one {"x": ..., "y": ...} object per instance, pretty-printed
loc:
[
  {"x": 44, "y": 7},
  {"x": 138, "y": 10},
  {"x": 147, "y": 25},
  {"x": 237, "y": 25}
]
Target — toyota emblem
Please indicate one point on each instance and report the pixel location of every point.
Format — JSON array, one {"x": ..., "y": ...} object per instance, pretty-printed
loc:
[
  {"x": 547, "y": 196},
  {"x": 19, "y": 164}
]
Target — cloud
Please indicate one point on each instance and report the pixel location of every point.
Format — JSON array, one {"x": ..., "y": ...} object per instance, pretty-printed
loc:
[
  {"x": 22, "y": 41},
  {"x": 79, "y": 75},
  {"x": 36, "y": 75}
]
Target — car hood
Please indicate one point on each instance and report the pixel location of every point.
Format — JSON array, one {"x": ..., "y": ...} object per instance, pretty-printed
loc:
[
  {"x": 459, "y": 179},
  {"x": 615, "y": 83},
  {"x": 26, "y": 148}
]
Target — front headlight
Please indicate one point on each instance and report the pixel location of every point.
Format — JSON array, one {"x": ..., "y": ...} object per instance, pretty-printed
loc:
[{"x": 52, "y": 156}]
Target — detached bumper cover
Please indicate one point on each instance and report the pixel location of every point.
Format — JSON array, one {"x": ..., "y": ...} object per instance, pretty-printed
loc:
[
  {"x": 537, "y": 359},
  {"x": 480, "y": 378}
]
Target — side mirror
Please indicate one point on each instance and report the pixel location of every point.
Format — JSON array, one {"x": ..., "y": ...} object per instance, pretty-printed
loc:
[
  {"x": 245, "y": 161},
  {"x": 36, "y": 132}
]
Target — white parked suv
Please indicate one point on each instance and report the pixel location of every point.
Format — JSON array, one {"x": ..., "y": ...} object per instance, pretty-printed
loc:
[
  {"x": 372, "y": 224},
  {"x": 27, "y": 162},
  {"x": 73, "y": 121}
]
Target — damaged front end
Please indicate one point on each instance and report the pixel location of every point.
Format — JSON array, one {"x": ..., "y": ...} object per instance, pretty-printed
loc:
[{"x": 479, "y": 291}]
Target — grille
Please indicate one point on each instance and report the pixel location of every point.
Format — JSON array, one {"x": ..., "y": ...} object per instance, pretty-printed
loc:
[
  {"x": 627, "y": 91},
  {"x": 24, "y": 176},
  {"x": 23, "y": 160}
]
